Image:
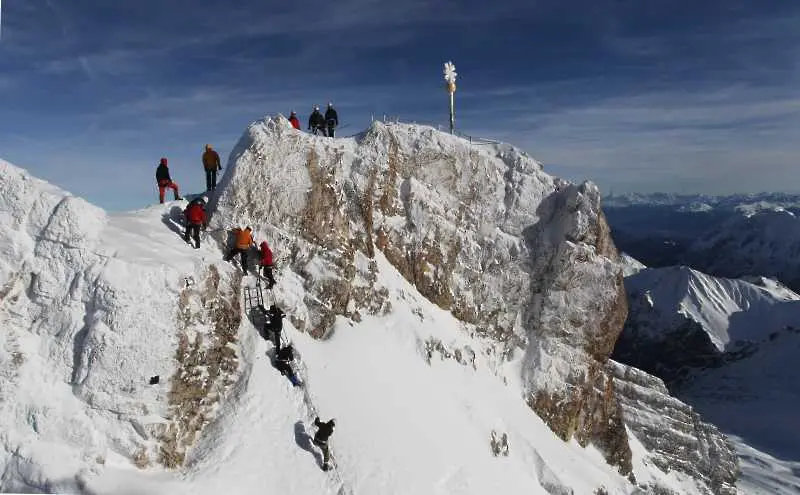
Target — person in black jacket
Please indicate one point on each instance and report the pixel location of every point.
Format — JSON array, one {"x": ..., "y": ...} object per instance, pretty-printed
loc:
[
  {"x": 283, "y": 363},
  {"x": 316, "y": 122},
  {"x": 165, "y": 181},
  {"x": 331, "y": 120},
  {"x": 274, "y": 325},
  {"x": 324, "y": 432}
]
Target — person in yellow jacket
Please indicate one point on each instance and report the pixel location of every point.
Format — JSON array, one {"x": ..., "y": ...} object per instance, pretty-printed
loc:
[
  {"x": 211, "y": 164},
  {"x": 243, "y": 240}
]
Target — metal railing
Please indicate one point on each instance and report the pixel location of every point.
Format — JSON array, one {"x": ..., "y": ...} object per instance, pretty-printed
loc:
[{"x": 394, "y": 119}]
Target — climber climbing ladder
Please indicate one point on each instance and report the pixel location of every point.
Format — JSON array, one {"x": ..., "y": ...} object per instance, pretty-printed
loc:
[
  {"x": 254, "y": 303},
  {"x": 256, "y": 310}
]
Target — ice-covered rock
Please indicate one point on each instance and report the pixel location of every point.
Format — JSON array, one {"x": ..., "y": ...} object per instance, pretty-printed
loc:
[{"x": 675, "y": 436}]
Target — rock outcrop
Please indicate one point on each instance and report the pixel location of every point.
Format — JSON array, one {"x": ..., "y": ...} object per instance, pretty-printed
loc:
[{"x": 674, "y": 434}]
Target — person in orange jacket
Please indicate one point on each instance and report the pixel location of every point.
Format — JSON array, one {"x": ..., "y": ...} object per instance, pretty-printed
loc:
[
  {"x": 294, "y": 120},
  {"x": 244, "y": 239},
  {"x": 266, "y": 264}
]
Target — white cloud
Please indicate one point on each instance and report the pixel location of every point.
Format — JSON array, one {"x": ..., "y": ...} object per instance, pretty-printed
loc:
[{"x": 733, "y": 140}]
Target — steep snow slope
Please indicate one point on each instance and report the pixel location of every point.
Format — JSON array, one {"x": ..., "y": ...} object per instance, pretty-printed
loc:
[
  {"x": 87, "y": 308},
  {"x": 730, "y": 311},
  {"x": 517, "y": 256},
  {"x": 763, "y": 474},
  {"x": 756, "y": 398},
  {"x": 92, "y": 305},
  {"x": 405, "y": 425}
]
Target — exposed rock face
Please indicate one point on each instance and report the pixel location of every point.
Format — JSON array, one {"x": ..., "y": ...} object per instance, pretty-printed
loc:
[
  {"x": 577, "y": 312},
  {"x": 208, "y": 322},
  {"x": 673, "y": 432},
  {"x": 525, "y": 259}
]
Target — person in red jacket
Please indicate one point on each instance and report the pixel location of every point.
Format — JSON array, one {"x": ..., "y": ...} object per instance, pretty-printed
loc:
[
  {"x": 266, "y": 264},
  {"x": 195, "y": 219},
  {"x": 294, "y": 121},
  {"x": 165, "y": 181}
]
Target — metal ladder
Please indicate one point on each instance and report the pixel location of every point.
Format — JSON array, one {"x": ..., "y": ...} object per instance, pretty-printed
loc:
[{"x": 254, "y": 304}]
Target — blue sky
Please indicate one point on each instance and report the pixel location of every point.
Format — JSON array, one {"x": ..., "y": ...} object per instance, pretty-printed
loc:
[{"x": 646, "y": 95}]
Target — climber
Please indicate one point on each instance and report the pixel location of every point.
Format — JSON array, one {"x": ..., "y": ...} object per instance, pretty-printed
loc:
[
  {"x": 274, "y": 325},
  {"x": 324, "y": 432},
  {"x": 283, "y": 363},
  {"x": 243, "y": 241},
  {"x": 266, "y": 264},
  {"x": 211, "y": 164},
  {"x": 331, "y": 119},
  {"x": 195, "y": 219},
  {"x": 316, "y": 122},
  {"x": 165, "y": 181},
  {"x": 294, "y": 120}
]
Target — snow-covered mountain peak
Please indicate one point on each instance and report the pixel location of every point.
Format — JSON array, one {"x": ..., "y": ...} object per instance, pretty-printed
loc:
[
  {"x": 750, "y": 209},
  {"x": 762, "y": 241},
  {"x": 452, "y": 300},
  {"x": 481, "y": 231}
]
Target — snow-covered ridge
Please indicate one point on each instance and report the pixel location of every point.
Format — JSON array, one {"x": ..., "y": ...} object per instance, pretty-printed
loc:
[
  {"x": 727, "y": 347},
  {"x": 87, "y": 308},
  {"x": 723, "y": 345},
  {"x": 630, "y": 265},
  {"x": 729, "y": 310}
]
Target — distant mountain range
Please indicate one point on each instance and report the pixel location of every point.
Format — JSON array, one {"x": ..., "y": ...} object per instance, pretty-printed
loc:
[
  {"x": 730, "y": 236},
  {"x": 690, "y": 201}
]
